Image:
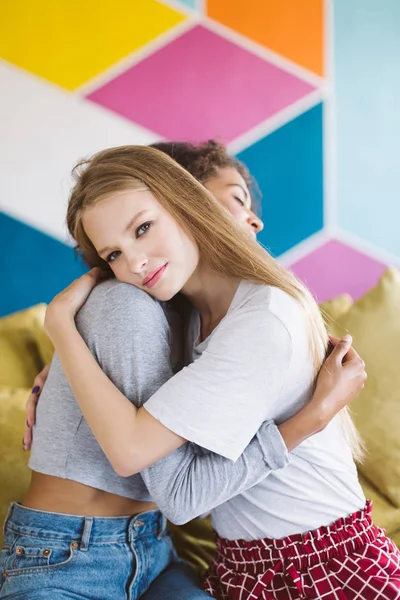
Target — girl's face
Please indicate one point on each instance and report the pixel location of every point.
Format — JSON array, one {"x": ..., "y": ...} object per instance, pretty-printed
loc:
[
  {"x": 230, "y": 189},
  {"x": 142, "y": 242}
]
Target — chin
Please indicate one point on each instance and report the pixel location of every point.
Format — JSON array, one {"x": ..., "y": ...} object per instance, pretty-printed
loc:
[{"x": 164, "y": 296}]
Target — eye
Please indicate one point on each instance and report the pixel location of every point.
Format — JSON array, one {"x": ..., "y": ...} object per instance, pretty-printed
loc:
[
  {"x": 143, "y": 228},
  {"x": 239, "y": 200},
  {"x": 112, "y": 256}
]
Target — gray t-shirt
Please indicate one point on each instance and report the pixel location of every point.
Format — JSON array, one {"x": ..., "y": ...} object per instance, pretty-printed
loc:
[
  {"x": 128, "y": 333},
  {"x": 256, "y": 366}
]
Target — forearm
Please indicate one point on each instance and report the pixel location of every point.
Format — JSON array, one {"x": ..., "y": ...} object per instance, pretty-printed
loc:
[
  {"x": 109, "y": 414},
  {"x": 187, "y": 484},
  {"x": 190, "y": 482},
  {"x": 131, "y": 439},
  {"x": 307, "y": 422}
]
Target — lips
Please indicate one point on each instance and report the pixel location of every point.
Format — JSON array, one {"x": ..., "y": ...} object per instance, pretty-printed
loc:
[{"x": 154, "y": 276}]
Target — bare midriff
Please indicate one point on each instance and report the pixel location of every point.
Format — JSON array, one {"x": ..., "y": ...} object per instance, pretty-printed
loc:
[{"x": 57, "y": 495}]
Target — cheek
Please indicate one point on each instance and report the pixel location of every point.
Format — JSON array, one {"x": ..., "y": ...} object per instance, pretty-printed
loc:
[
  {"x": 120, "y": 271},
  {"x": 236, "y": 211}
]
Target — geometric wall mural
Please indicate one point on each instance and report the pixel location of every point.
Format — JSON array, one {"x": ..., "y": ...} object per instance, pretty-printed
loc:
[
  {"x": 295, "y": 89},
  {"x": 70, "y": 43},
  {"x": 37, "y": 266},
  {"x": 335, "y": 267},
  {"x": 165, "y": 93},
  {"x": 288, "y": 167},
  {"x": 293, "y": 29},
  {"x": 367, "y": 121}
]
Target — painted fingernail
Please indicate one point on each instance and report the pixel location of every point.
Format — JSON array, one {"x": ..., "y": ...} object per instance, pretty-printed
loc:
[{"x": 36, "y": 389}]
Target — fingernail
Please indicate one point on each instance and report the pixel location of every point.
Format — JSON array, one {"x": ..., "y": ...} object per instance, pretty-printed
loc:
[
  {"x": 347, "y": 338},
  {"x": 27, "y": 424},
  {"x": 36, "y": 389}
]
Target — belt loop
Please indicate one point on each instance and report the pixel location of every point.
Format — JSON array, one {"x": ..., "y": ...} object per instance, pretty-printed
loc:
[
  {"x": 162, "y": 526},
  {"x": 8, "y": 515},
  {"x": 87, "y": 528}
]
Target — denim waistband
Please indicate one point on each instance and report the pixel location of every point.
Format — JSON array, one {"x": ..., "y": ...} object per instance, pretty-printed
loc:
[{"x": 83, "y": 530}]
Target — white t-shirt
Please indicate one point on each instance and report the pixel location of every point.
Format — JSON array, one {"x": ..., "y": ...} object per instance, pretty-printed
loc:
[{"x": 256, "y": 366}]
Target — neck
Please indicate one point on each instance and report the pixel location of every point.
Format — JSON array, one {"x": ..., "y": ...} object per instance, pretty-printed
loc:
[{"x": 210, "y": 293}]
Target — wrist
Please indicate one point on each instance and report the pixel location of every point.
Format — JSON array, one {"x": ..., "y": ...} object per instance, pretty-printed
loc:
[
  {"x": 318, "y": 413},
  {"x": 57, "y": 323},
  {"x": 307, "y": 422}
]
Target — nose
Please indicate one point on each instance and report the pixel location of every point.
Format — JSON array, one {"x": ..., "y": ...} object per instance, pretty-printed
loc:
[
  {"x": 255, "y": 222},
  {"x": 137, "y": 263}
]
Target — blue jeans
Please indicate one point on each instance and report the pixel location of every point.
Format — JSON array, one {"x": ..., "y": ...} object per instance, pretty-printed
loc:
[
  {"x": 55, "y": 556},
  {"x": 177, "y": 582}
]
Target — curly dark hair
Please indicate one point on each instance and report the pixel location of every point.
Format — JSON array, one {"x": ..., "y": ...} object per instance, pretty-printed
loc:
[{"x": 203, "y": 161}]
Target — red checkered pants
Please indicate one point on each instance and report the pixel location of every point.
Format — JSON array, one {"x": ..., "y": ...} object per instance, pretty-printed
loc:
[{"x": 350, "y": 559}]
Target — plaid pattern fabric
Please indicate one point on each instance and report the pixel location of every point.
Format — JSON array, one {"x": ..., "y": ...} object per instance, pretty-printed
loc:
[{"x": 352, "y": 559}]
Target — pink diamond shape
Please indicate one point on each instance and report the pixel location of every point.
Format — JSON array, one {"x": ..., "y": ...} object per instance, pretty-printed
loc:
[
  {"x": 336, "y": 268},
  {"x": 201, "y": 86}
]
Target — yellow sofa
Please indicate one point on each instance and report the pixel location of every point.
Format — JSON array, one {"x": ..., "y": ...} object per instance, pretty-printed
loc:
[{"x": 374, "y": 322}]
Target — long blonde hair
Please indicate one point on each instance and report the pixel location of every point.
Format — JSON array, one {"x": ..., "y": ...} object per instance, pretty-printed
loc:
[{"x": 223, "y": 245}]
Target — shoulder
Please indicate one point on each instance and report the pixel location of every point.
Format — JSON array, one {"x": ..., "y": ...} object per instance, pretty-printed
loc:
[
  {"x": 263, "y": 306},
  {"x": 252, "y": 325},
  {"x": 115, "y": 294},
  {"x": 113, "y": 301}
]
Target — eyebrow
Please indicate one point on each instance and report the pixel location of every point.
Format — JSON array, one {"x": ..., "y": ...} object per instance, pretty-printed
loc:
[
  {"x": 241, "y": 187},
  {"x": 127, "y": 228}
]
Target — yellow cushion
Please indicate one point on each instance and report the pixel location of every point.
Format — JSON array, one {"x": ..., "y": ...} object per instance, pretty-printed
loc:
[
  {"x": 374, "y": 322},
  {"x": 384, "y": 514},
  {"x": 335, "y": 308},
  {"x": 14, "y": 472},
  {"x": 195, "y": 543},
  {"x": 19, "y": 359},
  {"x": 44, "y": 343},
  {"x": 29, "y": 324},
  {"x": 396, "y": 538}
]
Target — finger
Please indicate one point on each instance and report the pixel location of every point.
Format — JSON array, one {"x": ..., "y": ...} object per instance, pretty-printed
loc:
[
  {"x": 44, "y": 373},
  {"x": 97, "y": 274},
  {"x": 332, "y": 343},
  {"x": 30, "y": 409},
  {"x": 351, "y": 356},
  {"x": 340, "y": 351},
  {"x": 353, "y": 360},
  {"x": 27, "y": 439},
  {"x": 38, "y": 384},
  {"x": 334, "y": 340},
  {"x": 87, "y": 282}
]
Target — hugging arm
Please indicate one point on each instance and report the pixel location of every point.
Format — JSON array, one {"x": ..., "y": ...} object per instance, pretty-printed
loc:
[
  {"x": 128, "y": 335},
  {"x": 221, "y": 416}
]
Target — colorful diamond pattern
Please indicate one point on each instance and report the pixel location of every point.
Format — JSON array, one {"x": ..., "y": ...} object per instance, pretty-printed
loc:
[
  {"x": 288, "y": 167},
  {"x": 336, "y": 268},
  {"x": 40, "y": 266},
  {"x": 239, "y": 71},
  {"x": 183, "y": 92},
  {"x": 69, "y": 43},
  {"x": 292, "y": 28}
]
